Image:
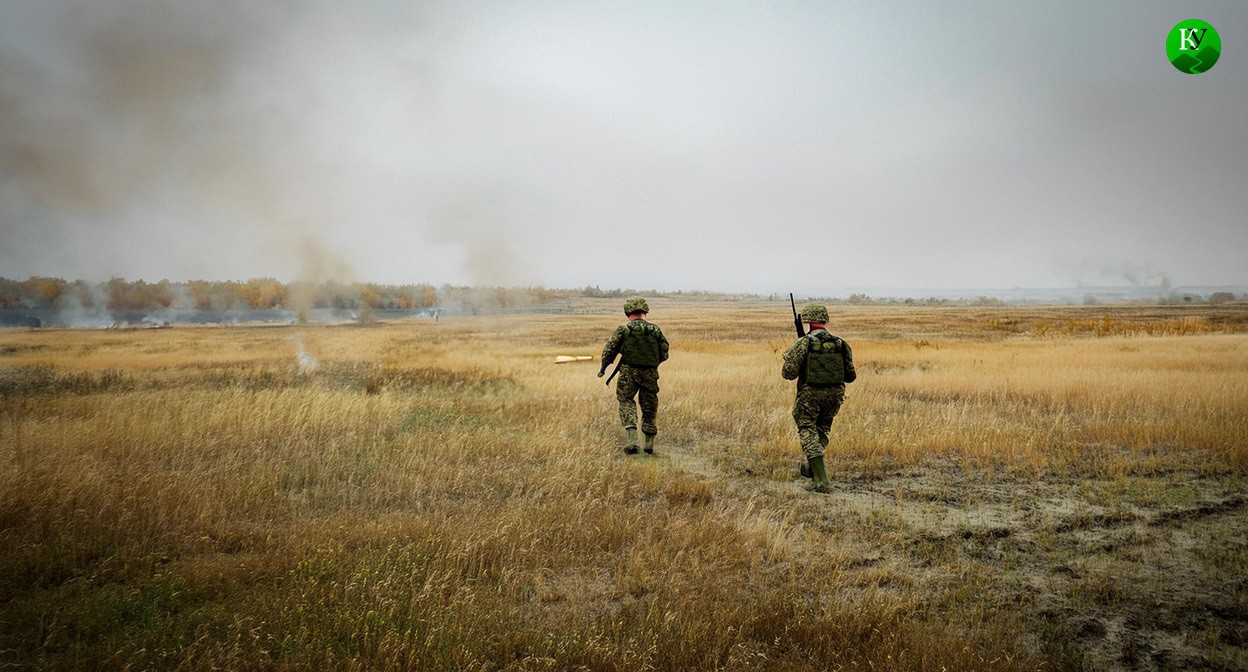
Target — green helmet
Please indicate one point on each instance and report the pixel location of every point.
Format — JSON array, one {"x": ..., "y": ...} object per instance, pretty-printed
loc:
[
  {"x": 813, "y": 312},
  {"x": 635, "y": 305}
]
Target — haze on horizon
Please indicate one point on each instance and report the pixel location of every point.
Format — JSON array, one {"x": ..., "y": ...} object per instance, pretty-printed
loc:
[{"x": 700, "y": 145}]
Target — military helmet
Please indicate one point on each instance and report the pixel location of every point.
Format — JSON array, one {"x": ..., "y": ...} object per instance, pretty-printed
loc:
[
  {"x": 813, "y": 312},
  {"x": 635, "y": 304}
]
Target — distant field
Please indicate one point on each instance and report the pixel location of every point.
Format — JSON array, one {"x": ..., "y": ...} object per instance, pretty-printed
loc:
[{"x": 1016, "y": 488}]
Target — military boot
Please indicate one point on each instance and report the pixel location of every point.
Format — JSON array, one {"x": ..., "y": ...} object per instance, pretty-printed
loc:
[
  {"x": 632, "y": 448},
  {"x": 649, "y": 444},
  {"x": 820, "y": 476}
]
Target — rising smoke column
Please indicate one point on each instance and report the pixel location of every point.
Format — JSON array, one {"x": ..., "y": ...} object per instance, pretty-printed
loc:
[{"x": 188, "y": 139}]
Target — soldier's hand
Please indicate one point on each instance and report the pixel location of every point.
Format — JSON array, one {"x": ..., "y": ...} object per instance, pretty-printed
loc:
[{"x": 601, "y": 372}]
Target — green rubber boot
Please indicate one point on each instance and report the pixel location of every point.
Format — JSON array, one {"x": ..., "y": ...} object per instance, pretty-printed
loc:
[
  {"x": 633, "y": 445},
  {"x": 649, "y": 444},
  {"x": 803, "y": 469},
  {"x": 820, "y": 476}
]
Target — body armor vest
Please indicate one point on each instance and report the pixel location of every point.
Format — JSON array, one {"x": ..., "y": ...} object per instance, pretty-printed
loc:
[
  {"x": 825, "y": 361},
  {"x": 641, "y": 345}
]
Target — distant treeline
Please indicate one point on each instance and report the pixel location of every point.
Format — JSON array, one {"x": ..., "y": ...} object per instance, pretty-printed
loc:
[
  {"x": 269, "y": 293},
  {"x": 256, "y": 293}
]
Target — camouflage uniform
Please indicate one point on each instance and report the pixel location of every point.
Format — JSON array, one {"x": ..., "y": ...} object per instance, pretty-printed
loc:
[
  {"x": 815, "y": 407},
  {"x": 636, "y": 381}
]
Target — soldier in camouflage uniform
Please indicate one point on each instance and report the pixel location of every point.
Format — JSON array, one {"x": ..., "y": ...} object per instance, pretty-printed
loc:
[
  {"x": 642, "y": 347},
  {"x": 821, "y": 364}
]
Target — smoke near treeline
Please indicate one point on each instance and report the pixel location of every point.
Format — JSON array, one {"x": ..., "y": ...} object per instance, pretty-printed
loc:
[
  {"x": 254, "y": 294},
  {"x": 95, "y": 299},
  {"x": 176, "y": 139}
]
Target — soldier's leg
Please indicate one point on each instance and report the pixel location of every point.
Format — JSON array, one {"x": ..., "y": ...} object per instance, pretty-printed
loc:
[
  {"x": 649, "y": 414},
  {"x": 829, "y": 406},
  {"x": 648, "y": 399},
  {"x": 625, "y": 390},
  {"x": 805, "y": 415},
  {"x": 823, "y": 424}
]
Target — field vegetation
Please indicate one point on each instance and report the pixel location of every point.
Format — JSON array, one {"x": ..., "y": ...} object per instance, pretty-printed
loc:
[{"x": 1015, "y": 489}]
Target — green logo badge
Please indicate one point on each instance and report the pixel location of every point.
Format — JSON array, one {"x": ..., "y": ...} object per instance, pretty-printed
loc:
[{"x": 1193, "y": 46}]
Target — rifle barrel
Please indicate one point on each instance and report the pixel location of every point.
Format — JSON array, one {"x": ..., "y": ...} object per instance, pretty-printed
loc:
[{"x": 797, "y": 321}]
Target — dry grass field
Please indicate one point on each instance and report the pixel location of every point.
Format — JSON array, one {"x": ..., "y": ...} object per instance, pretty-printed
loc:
[{"x": 1015, "y": 489}]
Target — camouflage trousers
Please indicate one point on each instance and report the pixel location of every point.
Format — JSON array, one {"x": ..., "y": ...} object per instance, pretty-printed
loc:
[
  {"x": 813, "y": 411},
  {"x": 643, "y": 384}
]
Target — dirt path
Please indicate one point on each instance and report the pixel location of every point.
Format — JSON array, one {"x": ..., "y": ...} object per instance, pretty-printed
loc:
[{"x": 1128, "y": 573}]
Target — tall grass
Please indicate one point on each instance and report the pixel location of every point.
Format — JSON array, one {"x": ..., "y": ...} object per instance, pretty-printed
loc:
[{"x": 441, "y": 496}]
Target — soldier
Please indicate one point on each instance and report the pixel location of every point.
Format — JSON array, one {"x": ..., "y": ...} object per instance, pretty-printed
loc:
[
  {"x": 642, "y": 347},
  {"x": 822, "y": 364}
]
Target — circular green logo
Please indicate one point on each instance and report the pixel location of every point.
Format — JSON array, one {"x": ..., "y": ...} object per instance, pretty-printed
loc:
[{"x": 1193, "y": 46}]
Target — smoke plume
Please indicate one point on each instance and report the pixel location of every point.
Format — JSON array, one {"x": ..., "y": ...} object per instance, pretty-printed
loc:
[
  {"x": 125, "y": 121},
  {"x": 1093, "y": 272}
]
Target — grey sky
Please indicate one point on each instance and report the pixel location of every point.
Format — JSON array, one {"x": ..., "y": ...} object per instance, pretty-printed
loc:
[{"x": 692, "y": 145}]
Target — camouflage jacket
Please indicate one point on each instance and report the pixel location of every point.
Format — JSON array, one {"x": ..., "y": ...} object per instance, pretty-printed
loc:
[
  {"x": 795, "y": 359},
  {"x": 616, "y": 341}
]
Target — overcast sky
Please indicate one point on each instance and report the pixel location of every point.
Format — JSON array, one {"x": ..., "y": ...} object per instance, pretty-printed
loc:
[{"x": 670, "y": 145}]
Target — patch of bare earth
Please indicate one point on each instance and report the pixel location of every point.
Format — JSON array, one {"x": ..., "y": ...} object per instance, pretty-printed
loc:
[{"x": 1103, "y": 573}]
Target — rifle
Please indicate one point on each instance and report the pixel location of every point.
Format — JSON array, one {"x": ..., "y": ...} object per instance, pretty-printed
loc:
[
  {"x": 617, "y": 370},
  {"x": 797, "y": 321}
]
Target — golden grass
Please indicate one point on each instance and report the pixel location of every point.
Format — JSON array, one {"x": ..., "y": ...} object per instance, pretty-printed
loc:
[{"x": 441, "y": 496}]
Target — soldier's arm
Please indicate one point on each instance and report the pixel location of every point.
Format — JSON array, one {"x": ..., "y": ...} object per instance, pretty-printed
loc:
[
  {"x": 611, "y": 349},
  {"x": 793, "y": 357},
  {"x": 850, "y": 374},
  {"x": 663, "y": 346}
]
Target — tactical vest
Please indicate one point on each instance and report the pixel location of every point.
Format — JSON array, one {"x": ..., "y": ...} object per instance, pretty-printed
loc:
[
  {"x": 825, "y": 361},
  {"x": 641, "y": 345}
]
